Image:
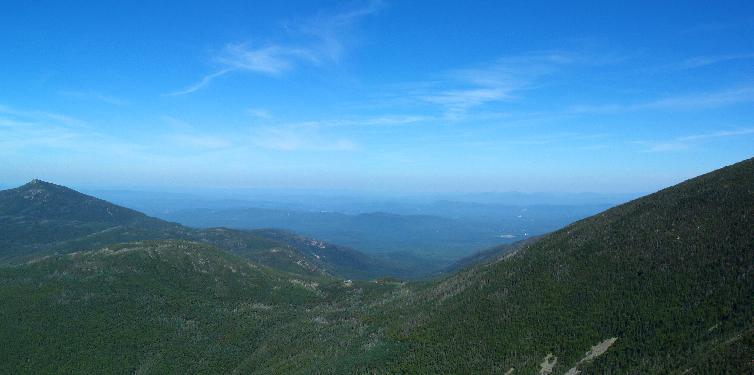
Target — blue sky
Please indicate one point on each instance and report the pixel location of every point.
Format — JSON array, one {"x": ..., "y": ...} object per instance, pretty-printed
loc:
[{"x": 375, "y": 95}]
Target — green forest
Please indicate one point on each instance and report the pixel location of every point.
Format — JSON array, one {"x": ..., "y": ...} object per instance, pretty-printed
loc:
[{"x": 663, "y": 283}]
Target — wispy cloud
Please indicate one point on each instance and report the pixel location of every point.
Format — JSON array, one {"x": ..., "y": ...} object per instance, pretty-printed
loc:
[
  {"x": 34, "y": 129},
  {"x": 459, "y": 91},
  {"x": 703, "y": 100},
  {"x": 96, "y": 96},
  {"x": 654, "y": 146},
  {"x": 701, "y": 61},
  {"x": 298, "y": 137},
  {"x": 718, "y": 134},
  {"x": 271, "y": 60},
  {"x": 183, "y": 134},
  {"x": 383, "y": 120},
  {"x": 567, "y": 137},
  {"x": 319, "y": 39},
  {"x": 259, "y": 113},
  {"x": 688, "y": 141},
  {"x": 176, "y": 123},
  {"x": 204, "y": 82},
  {"x": 44, "y": 116},
  {"x": 714, "y": 27},
  {"x": 201, "y": 141}
]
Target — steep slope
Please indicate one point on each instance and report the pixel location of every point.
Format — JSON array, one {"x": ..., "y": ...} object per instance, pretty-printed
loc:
[
  {"x": 489, "y": 255},
  {"x": 41, "y": 215},
  {"x": 670, "y": 275},
  {"x": 43, "y": 200}
]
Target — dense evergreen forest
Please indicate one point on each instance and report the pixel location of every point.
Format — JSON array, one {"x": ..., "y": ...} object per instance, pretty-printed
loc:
[{"x": 662, "y": 284}]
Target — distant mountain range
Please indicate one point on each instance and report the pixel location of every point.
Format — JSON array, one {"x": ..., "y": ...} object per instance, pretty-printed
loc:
[
  {"x": 662, "y": 284},
  {"x": 42, "y": 218},
  {"x": 447, "y": 232},
  {"x": 435, "y": 228},
  {"x": 155, "y": 203}
]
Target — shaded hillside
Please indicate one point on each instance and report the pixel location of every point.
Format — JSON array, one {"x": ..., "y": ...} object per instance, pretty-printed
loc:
[
  {"x": 670, "y": 275},
  {"x": 39, "y": 215},
  {"x": 490, "y": 255},
  {"x": 46, "y": 201}
]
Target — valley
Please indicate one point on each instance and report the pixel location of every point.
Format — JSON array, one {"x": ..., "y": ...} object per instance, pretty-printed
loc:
[{"x": 660, "y": 284}]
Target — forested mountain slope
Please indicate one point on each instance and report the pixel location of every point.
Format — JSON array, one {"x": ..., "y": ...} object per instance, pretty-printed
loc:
[
  {"x": 159, "y": 307},
  {"x": 670, "y": 275},
  {"x": 662, "y": 284},
  {"x": 39, "y": 216}
]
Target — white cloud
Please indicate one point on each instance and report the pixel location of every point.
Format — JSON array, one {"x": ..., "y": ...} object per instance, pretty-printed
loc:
[
  {"x": 201, "y": 141},
  {"x": 204, "y": 82},
  {"x": 270, "y": 60},
  {"x": 259, "y": 113},
  {"x": 44, "y": 116},
  {"x": 23, "y": 130},
  {"x": 385, "y": 120},
  {"x": 704, "y": 100},
  {"x": 183, "y": 134},
  {"x": 93, "y": 95},
  {"x": 319, "y": 39},
  {"x": 719, "y": 134},
  {"x": 301, "y": 137},
  {"x": 687, "y": 142},
  {"x": 663, "y": 146},
  {"x": 701, "y": 61},
  {"x": 459, "y": 91}
]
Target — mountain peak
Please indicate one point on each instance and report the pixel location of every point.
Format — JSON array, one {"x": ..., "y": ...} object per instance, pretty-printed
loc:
[
  {"x": 40, "y": 184},
  {"x": 41, "y": 199},
  {"x": 37, "y": 181}
]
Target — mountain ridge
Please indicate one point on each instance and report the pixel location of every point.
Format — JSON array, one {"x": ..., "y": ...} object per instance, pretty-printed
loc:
[{"x": 42, "y": 218}]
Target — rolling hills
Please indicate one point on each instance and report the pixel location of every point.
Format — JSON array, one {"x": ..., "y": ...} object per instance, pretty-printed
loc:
[
  {"x": 442, "y": 231},
  {"x": 661, "y": 284}
]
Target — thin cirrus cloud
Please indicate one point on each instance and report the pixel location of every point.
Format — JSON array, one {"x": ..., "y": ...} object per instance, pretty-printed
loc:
[
  {"x": 36, "y": 116},
  {"x": 94, "y": 96},
  {"x": 459, "y": 91},
  {"x": 374, "y": 121},
  {"x": 719, "y": 134},
  {"x": 704, "y": 100},
  {"x": 687, "y": 142},
  {"x": 259, "y": 113},
  {"x": 287, "y": 137},
  {"x": 702, "y": 61},
  {"x": 185, "y": 135},
  {"x": 34, "y": 129},
  {"x": 321, "y": 40},
  {"x": 201, "y": 141},
  {"x": 204, "y": 82},
  {"x": 298, "y": 137}
]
